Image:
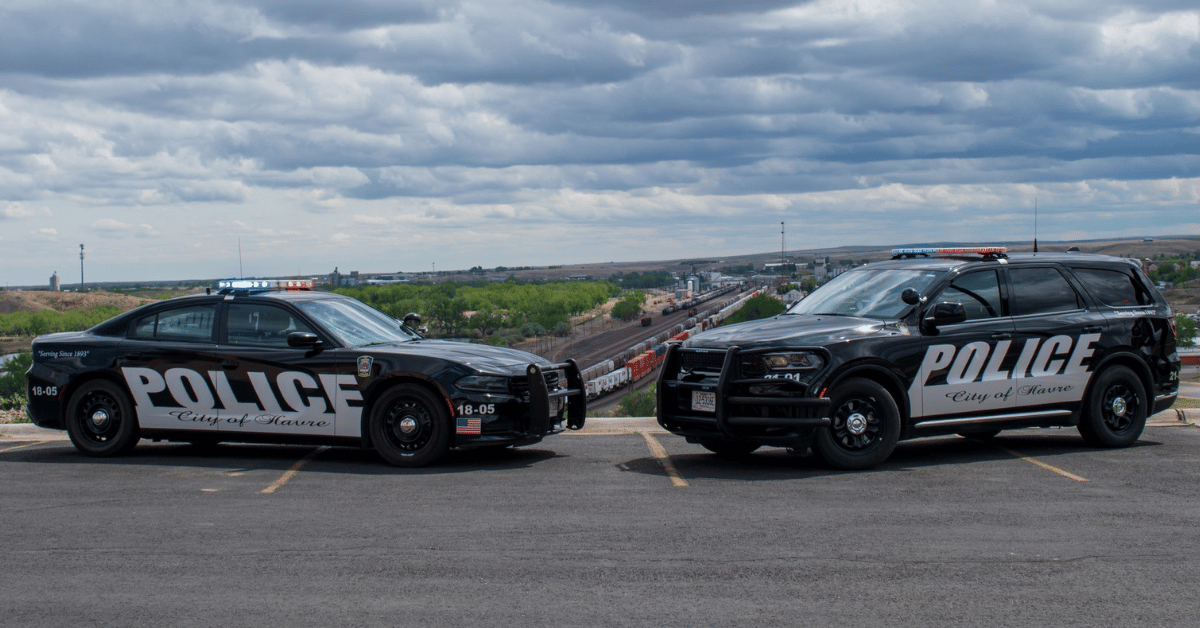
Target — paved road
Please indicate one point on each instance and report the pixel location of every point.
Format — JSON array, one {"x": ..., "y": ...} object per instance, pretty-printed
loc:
[{"x": 620, "y": 525}]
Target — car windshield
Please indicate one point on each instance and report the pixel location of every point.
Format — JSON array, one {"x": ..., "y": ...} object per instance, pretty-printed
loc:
[
  {"x": 866, "y": 293},
  {"x": 356, "y": 324}
]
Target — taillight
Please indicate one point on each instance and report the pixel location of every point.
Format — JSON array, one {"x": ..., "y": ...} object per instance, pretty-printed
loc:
[{"x": 1174, "y": 333}]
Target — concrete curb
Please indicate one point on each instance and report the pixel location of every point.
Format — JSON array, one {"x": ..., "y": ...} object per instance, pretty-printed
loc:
[
  {"x": 1175, "y": 417},
  {"x": 29, "y": 431}
]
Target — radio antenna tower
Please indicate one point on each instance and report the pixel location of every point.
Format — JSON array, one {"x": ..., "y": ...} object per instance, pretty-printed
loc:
[
  {"x": 782, "y": 245},
  {"x": 1035, "y": 224}
]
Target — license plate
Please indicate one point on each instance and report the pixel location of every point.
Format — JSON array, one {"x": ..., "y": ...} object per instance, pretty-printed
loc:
[{"x": 704, "y": 401}]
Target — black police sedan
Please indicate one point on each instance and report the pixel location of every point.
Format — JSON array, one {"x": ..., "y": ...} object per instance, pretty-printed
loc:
[
  {"x": 273, "y": 361},
  {"x": 935, "y": 341}
]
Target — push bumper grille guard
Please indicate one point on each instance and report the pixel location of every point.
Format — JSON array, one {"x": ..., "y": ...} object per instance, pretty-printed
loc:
[
  {"x": 670, "y": 387},
  {"x": 539, "y": 397}
]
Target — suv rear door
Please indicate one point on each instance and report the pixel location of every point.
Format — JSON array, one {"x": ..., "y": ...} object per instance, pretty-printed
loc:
[{"x": 1059, "y": 335}]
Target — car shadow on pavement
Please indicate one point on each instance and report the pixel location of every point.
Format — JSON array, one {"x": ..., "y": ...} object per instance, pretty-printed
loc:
[
  {"x": 773, "y": 463},
  {"x": 243, "y": 457}
]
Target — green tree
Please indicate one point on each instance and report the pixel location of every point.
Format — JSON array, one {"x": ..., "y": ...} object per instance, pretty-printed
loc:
[
  {"x": 761, "y": 306},
  {"x": 1185, "y": 329},
  {"x": 509, "y": 304},
  {"x": 647, "y": 280},
  {"x": 630, "y": 306}
]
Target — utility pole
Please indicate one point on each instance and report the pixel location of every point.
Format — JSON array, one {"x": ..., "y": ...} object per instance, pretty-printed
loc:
[
  {"x": 782, "y": 245},
  {"x": 1035, "y": 224},
  {"x": 81, "y": 268}
]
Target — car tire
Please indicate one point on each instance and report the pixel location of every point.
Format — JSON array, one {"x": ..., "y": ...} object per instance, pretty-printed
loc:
[
  {"x": 101, "y": 421},
  {"x": 864, "y": 429},
  {"x": 1114, "y": 414},
  {"x": 730, "y": 449},
  {"x": 409, "y": 426}
]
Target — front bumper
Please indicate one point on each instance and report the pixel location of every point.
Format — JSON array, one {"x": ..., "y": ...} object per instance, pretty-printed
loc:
[
  {"x": 748, "y": 406},
  {"x": 540, "y": 404}
]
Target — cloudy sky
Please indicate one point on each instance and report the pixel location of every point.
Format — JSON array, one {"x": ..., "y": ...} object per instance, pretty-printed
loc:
[{"x": 396, "y": 135}]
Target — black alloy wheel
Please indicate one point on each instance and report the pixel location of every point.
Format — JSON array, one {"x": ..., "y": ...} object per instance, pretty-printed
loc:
[
  {"x": 101, "y": 421},
  {"x": 409, "y": 428},
  {"x": 1115, "y": 412},
  {"x": 864, "y": 429}
]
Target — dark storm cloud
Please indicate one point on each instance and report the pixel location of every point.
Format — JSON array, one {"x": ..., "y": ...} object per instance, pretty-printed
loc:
[
  {"x": 351, "y": 14},
  {"x": 681, "y": 8},
  {"x": 371, "y": 122}
]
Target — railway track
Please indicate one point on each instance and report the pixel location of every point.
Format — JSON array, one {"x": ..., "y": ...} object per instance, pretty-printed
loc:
[{"x": 589, "y": 349}]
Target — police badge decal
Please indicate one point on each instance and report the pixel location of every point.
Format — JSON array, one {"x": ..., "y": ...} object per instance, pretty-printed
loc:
[{"x": 364, "y": 365}]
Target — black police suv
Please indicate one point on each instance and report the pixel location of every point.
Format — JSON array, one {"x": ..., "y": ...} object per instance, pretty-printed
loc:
[
  {"x": 273, "y": 361},
  {"x": 934, "y": 341}
]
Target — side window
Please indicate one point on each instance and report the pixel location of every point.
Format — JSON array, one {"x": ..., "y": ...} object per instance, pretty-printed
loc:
[
  {"x": 187, "y": 324},
  {"x": 1041, "y": 290},
  {"x": 979, "y": 293},
  {"x": 1113, "y": 287},
  {"x": 261, "y": 325}
]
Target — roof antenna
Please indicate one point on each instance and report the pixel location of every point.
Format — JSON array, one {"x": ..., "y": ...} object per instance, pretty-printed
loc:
[{"x": 1035, "y": 224}]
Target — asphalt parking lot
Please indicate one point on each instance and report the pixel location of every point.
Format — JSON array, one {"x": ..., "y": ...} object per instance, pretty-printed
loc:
[{"x": 620, "y": 525}]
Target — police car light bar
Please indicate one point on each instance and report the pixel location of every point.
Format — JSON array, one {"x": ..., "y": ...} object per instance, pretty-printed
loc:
[
  {"x": 263, "y": 285},
  {"x": 986, "y": 251}
]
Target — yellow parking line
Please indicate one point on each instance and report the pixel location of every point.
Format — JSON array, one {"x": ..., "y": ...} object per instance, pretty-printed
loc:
[
  {"x": 656, "y": 448},
  {"x": 1065, "y": 474},
  {"x": 290, "y": 473},
  {"x": 37, "y": 442}
]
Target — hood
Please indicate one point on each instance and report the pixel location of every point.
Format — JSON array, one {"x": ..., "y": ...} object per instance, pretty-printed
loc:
[
  {"x": 485, "y": 358},
  {"x": 790, "y": 330}
]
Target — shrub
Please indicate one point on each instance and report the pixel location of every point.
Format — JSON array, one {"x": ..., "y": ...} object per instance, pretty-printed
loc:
[
  {"x": 16, "y": 404},
  {"x": 12, "y": 383},
  {"x": 639, "y": 402}
]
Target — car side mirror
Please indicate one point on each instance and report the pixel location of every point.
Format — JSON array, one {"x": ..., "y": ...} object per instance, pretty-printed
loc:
[
  {"x": 946, "y": 314},
  {"x": 303, "y": 340},
  {"x": 412, "y": 320},
  {"x": 910, "y": 296}
]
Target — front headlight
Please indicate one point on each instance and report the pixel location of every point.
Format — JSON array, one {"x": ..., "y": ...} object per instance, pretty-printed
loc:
[
  {"x": 799, "y": 361},
  {"x": 484, "y": 383}
]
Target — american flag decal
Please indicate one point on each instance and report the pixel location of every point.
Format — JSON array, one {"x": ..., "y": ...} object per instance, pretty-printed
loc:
[{"x": 468, "y": 425}]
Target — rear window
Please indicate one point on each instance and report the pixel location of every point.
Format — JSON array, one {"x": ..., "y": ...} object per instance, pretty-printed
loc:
[
  {"x": 187, "y": 324},
  {"x": 1113, "y": 287},
  {"x": 1040, "y": 290}
]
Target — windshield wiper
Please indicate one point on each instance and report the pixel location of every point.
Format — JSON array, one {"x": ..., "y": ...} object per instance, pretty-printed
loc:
[{"x": 381, "y": 342}]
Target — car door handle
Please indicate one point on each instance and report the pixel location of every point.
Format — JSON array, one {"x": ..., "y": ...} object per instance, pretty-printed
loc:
[
  {"x": 228, "y": 365},
  {"x": 136, "y": 355},
  {"x": 1001, "y": 335},
  {"x": 1092, "y": 329}
]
